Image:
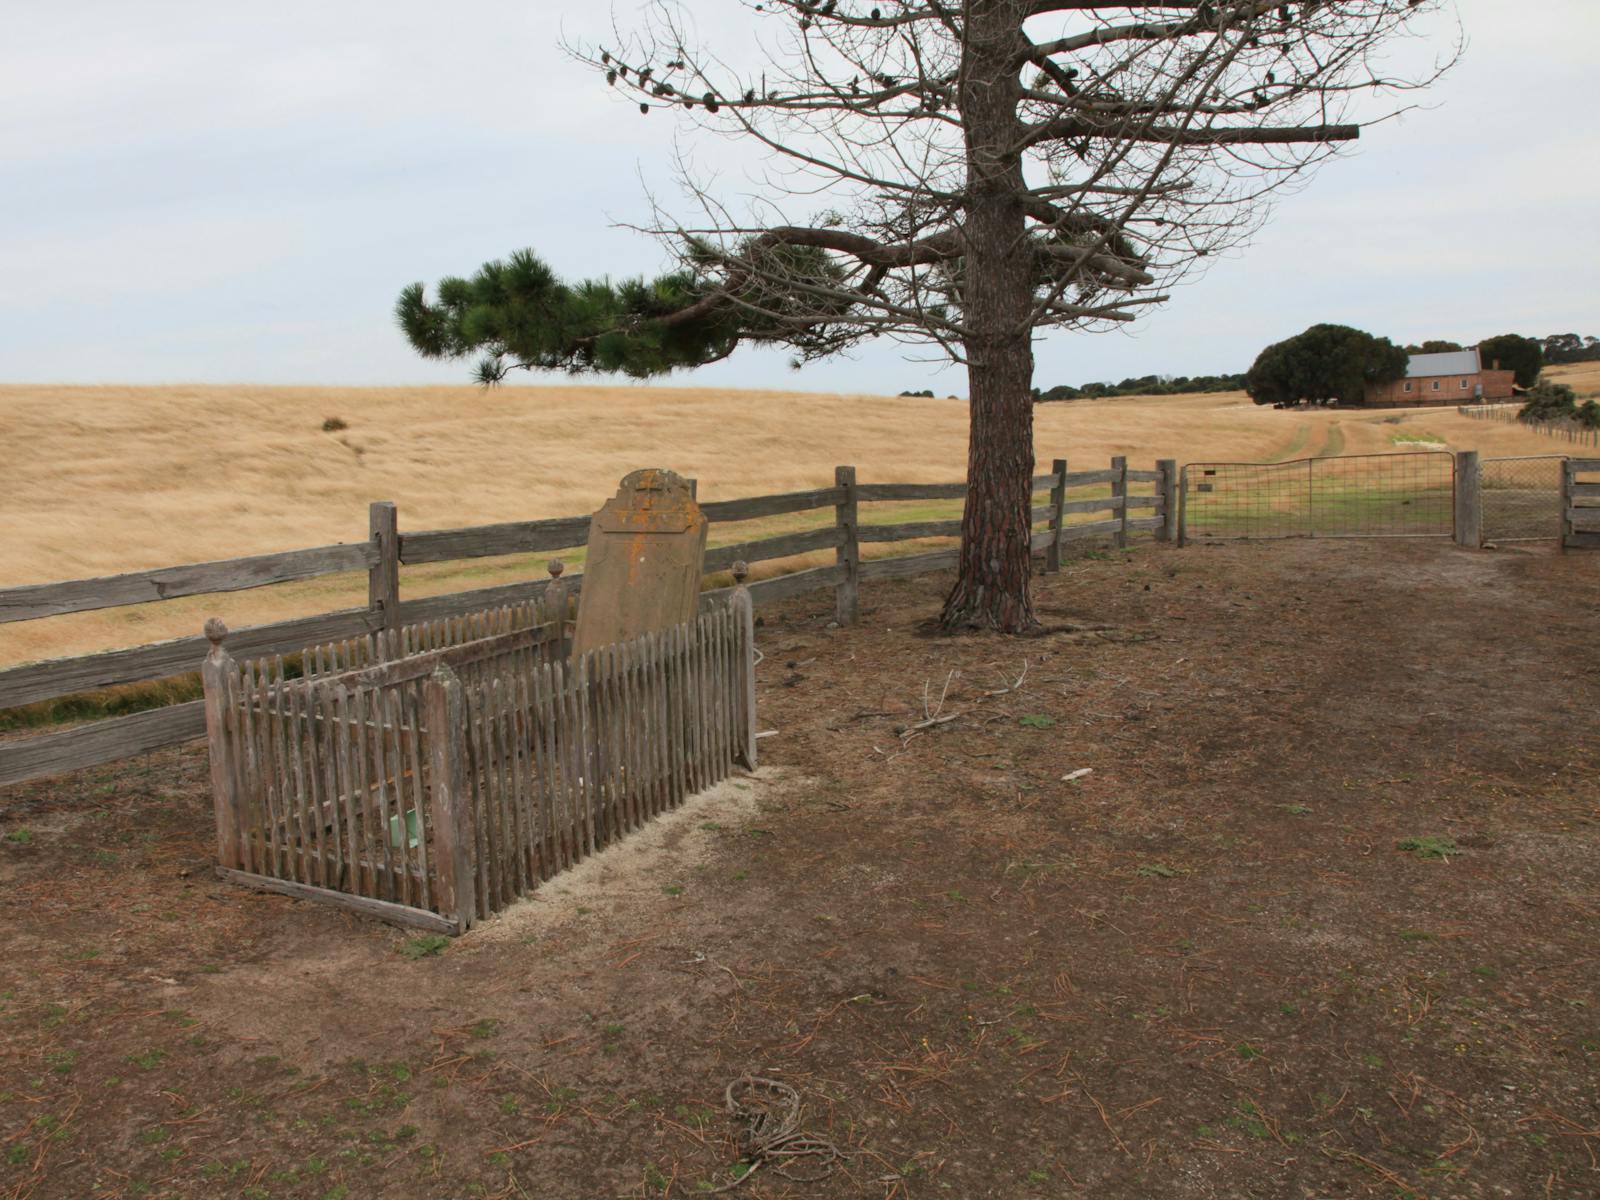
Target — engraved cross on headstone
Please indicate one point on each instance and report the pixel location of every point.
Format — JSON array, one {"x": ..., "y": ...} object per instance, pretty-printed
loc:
[{"x": 647, "y": 547}]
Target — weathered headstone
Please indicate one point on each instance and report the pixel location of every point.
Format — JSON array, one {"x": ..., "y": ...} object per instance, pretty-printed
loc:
[{"x": 647, "y": 549}]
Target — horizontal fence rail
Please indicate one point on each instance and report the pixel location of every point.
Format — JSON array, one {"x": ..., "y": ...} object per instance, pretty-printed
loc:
[
  {"x": 433, "y": 775},
  {"x": 1102, "y": 505}
]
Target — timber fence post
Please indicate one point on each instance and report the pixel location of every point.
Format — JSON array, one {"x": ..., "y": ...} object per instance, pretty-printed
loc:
[
  {"x": 1469, "y": 500},
  {"x": 1169, "y": 499},
  {"x": 1119, "y": 490},
  {"x": 1183, "y": 507},
  {"x": 383, "y": 577},
  {"x": 847, "y": 592},
  {"x": 454, "y": 835},
  {"x": 216, "y": 673},
  {"x": 1058, "y": 497}
]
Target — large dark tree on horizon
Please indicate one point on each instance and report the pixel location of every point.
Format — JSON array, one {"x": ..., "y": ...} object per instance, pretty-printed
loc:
[
  {"x": 954, "y": 172},
  {"x": 1326, "y": 362}
]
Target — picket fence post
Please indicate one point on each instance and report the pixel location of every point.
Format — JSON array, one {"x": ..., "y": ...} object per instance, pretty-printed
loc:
[
  {"x": 454, "y": 832},
  {"x": 744, "y": 615},
  {"x": 216, "y": 672}
]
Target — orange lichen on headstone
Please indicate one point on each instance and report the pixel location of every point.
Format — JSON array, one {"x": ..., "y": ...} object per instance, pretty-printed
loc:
[{"x": 647, "y": 548}]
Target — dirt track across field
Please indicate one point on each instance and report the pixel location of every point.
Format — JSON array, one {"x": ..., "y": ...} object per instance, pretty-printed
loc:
[{"x": 1207, "y": 968}]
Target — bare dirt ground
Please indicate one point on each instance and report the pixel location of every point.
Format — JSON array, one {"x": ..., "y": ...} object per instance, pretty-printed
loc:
[{"x": 1209, "y": 968}]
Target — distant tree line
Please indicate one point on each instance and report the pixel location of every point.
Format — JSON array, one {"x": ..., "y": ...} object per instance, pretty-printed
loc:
[
  {"x": 1335, "y": 363},
  {"x": 1570, "y": 348},
  {"x": 1553, "y": 348},
  {"x": 1141, "y": 385}
]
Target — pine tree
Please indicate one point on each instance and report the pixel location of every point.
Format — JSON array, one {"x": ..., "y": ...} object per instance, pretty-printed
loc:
[{"x": 971, "y": 171}]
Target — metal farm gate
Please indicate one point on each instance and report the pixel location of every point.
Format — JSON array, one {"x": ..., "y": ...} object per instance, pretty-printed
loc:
[
  {"x": 1522, "y": 498},
  {"x": 1358, "y": 495}
]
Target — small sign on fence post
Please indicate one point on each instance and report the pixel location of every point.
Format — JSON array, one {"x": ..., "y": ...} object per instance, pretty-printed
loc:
[{"x": 647, "y": 549}]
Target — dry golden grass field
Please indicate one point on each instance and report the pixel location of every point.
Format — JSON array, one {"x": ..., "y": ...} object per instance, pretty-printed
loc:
[{"x": 108, "y": 479}]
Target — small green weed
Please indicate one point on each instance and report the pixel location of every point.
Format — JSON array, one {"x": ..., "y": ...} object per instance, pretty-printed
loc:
[
  {"x": 1296, "y": 810},
  {"x": 149, "y": 1060},
  {"x": 1248, "y": 1118},
  {"x": 1427, "y": 847},
  {"x": 20, "y": 837},
  {"x": 1037, "y": 721},
  {"x": 697, "y": 1116},
  {"x": 1156, "y": 871},
  {"x": 61, "y": 1062},
  {"x": 424, "y": 947}
]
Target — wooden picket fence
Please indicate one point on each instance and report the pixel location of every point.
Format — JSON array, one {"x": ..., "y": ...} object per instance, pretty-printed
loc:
[
  {"x": 1105, "y": 505},
  {"x": 433, "y": 775}
]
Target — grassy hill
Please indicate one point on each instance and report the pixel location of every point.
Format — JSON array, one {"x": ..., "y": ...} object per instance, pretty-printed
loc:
[{"x": 110, "y": 479}]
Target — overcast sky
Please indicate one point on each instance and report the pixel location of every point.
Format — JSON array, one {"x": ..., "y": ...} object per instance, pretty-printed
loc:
[{"x": 215, "y": 193}]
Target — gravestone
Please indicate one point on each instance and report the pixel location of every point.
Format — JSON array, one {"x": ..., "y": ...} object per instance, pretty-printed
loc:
[{"x": 647, "y": 549}]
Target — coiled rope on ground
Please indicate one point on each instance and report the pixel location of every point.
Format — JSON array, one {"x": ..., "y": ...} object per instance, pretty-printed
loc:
[{"x": 772, "y": 1136}]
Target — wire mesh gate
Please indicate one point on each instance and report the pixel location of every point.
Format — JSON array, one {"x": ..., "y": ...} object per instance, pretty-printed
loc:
[
  {"x": 1358, "y": 495},
  {"x": 1521, "y": 497}
]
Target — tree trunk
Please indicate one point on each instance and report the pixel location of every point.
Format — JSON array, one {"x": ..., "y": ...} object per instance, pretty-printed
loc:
[{"x": 992, "y": 591}]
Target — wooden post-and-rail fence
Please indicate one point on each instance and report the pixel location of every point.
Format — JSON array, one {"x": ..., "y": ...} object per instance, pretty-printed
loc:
[
  {"x": 1101, "y": 505},
  {"x": 1580, "y": 504}
]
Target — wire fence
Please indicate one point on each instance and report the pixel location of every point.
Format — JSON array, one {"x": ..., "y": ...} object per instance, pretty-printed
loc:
[
  {"x": 1521, "y": 497},
  {"x": 1361, "y": 495},
  {"x": 1572, "y": 432}
]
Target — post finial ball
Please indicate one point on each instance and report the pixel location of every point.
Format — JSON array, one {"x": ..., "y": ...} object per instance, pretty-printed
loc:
[
  {"x": 555, "y": 566},
  {"x": 215, "y": 630},
  {"x": 741, "y": 570}
]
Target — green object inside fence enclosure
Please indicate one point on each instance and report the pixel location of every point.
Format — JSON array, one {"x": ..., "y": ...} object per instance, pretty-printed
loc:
[
  {"x": 1364, "y": 495},
  {"x": 404, "y": 836}
]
